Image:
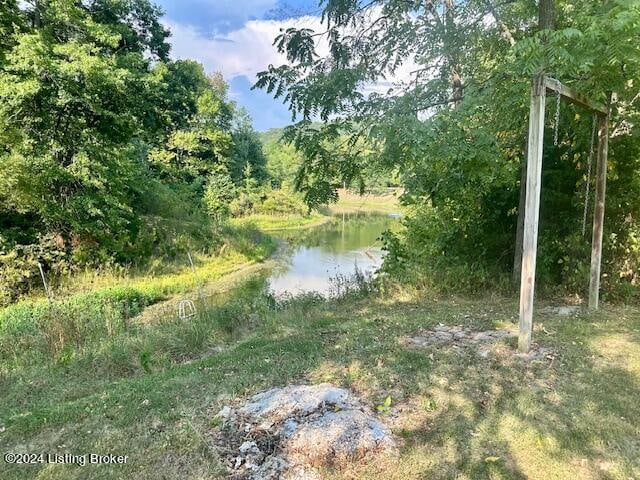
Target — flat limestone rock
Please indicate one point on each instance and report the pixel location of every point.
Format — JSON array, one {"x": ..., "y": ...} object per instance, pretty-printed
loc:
[
  {"x": 278, "y": 404},
  {"x": 336, "y": 438},
  {"x": 284, "y": 433},
  {"x": 561, "y": 310},
  {"x": 456, "y": 335}
]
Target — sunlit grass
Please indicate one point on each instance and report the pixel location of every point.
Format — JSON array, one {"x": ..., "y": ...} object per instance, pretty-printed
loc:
[
  {"x": 455, "y": 414},
  {"x": 270, "y": 223},
  {"x": 350, "y": 202}
]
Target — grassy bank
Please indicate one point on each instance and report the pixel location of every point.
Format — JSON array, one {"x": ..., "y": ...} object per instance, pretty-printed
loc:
[
  {"x": 350, "y": 202},
  {"x": 96, "y": 305},
  {"x": 271, "y": 223},
  {"x": 151, "y": 392}
]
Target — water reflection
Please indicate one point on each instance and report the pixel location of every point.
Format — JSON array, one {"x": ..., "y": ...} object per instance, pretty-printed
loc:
[{"x": 335, "y": 249}]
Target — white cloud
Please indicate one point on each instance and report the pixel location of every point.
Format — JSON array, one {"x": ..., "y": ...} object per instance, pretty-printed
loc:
[
  {"x": 249, "y": 50},
  {"x": 242, "y": 52}
]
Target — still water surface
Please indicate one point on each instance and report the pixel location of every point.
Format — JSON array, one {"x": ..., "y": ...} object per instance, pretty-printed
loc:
[{"x": 315, "y": 258}]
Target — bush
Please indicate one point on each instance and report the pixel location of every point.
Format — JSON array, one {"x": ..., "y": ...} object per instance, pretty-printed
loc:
[
  {"x": 218, "y": 195},
  {"x": 19, "y": 265},
  {"x": 281, "y": 202},
  {"x": 264, "y": 201},
  {"x": 36, "y": 330}
]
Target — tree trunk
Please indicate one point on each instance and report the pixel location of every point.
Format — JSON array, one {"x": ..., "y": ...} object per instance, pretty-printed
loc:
[
  {"x": 547, "y": 15},
  {"x": 37, "y": 14}
]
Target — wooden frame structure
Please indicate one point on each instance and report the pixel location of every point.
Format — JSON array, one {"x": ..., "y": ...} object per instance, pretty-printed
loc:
[{"x": 540, "y": 85}]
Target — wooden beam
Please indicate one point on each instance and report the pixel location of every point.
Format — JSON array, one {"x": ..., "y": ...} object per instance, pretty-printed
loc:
[
  {"x": 598, "y": 215},
  {"x": 574, "y": 96},
  {"x": 532, "y": 211}
]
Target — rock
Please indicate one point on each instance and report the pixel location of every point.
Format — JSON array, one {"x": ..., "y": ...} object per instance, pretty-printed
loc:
[
  {"x": 248, "y": 447},
  {"x": 419, "y": 341},
  {"x": 224, "y": 413},
  {"x": 482, "y": 336},
  {"x": 283, "y": 433},
  {"x": 459, "y": 336},
  {"x": 278, "y": 404},
  {"x": 444, "y": 336},
  {"x": 562, "y": 310},
  {"x": 338, "y": 437}
]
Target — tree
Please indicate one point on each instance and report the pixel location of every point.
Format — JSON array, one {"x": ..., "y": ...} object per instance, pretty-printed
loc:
[
  {"x": 218, "y": 194},
  {"x": 10, "y": 23},
  {"x": 283, "y": 160},
  {"x": 455, "y": 124},
  {"x": 203, "y": 146},
  {"x": 247, "y": 150}
]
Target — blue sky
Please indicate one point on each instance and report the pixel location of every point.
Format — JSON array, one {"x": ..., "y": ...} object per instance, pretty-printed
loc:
[{"x": 235, "y": 37}]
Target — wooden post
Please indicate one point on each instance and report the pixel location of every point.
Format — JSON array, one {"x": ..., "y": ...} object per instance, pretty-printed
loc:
[
  {"x": 532, "y": 211},
  {"x": 598, "y": 215},
  {"x": 44, "y": 282}
]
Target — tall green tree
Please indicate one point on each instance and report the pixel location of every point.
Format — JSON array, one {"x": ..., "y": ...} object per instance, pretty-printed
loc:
[
  {"x": 10, "y": 24},
  {"x": 247, "y": 155},
  {"x": 203, "y": 145},
  {"x": 69, "y": 108}
]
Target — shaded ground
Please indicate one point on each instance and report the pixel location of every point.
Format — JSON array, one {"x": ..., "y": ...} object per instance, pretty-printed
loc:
[{"x": 454, "y": 412}]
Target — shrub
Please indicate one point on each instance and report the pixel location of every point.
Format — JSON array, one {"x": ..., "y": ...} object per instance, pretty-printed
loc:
[
  {"x": 218, "y": 194},
  {"x": 19, "y": 265},
  {"x": 281, "y": 202},
  {"x": 36, "y": 330}
]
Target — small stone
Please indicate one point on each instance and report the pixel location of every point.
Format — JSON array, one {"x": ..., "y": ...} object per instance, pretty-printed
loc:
[
  {"x": 482, "y": 336},
  {"x": 224, "y": 413},
  {"x": 484, "y": 353},
  {"x": 249, "y": 447}
]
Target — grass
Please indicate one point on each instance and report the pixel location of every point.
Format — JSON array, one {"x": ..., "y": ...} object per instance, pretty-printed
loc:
[
  {"x": 102, "y": 372},
  {"x": 271, "y": 223},
  {"x": 151, "y": 392},
  {"x": 93, "y": 306},
  {"x": 349, "y": 202}
]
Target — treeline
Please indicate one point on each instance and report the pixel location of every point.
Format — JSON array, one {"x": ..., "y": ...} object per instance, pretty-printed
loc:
[{"x": 110, "y": 152}]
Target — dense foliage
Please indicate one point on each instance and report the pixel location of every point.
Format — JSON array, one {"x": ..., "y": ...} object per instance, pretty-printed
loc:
[
  {"x": 438, "y": 92},
  {"x": 107, "y": 146}
]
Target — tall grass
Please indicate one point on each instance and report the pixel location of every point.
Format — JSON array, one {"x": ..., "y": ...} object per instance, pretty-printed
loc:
[{"x": 41, "y": 331}]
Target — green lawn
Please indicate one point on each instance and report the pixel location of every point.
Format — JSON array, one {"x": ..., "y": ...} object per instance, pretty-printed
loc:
[
  {"x": 270, "y": 223},
  {"x": 349, "y": 202},
  {"x": 151, "y": 392}
]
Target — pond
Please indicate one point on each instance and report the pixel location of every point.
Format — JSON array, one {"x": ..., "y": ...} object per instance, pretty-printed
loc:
[{"x": 314, "y": 260}]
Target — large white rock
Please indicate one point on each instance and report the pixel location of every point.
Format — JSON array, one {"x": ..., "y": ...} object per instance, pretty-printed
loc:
[{"x": 311, "y": 425}]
